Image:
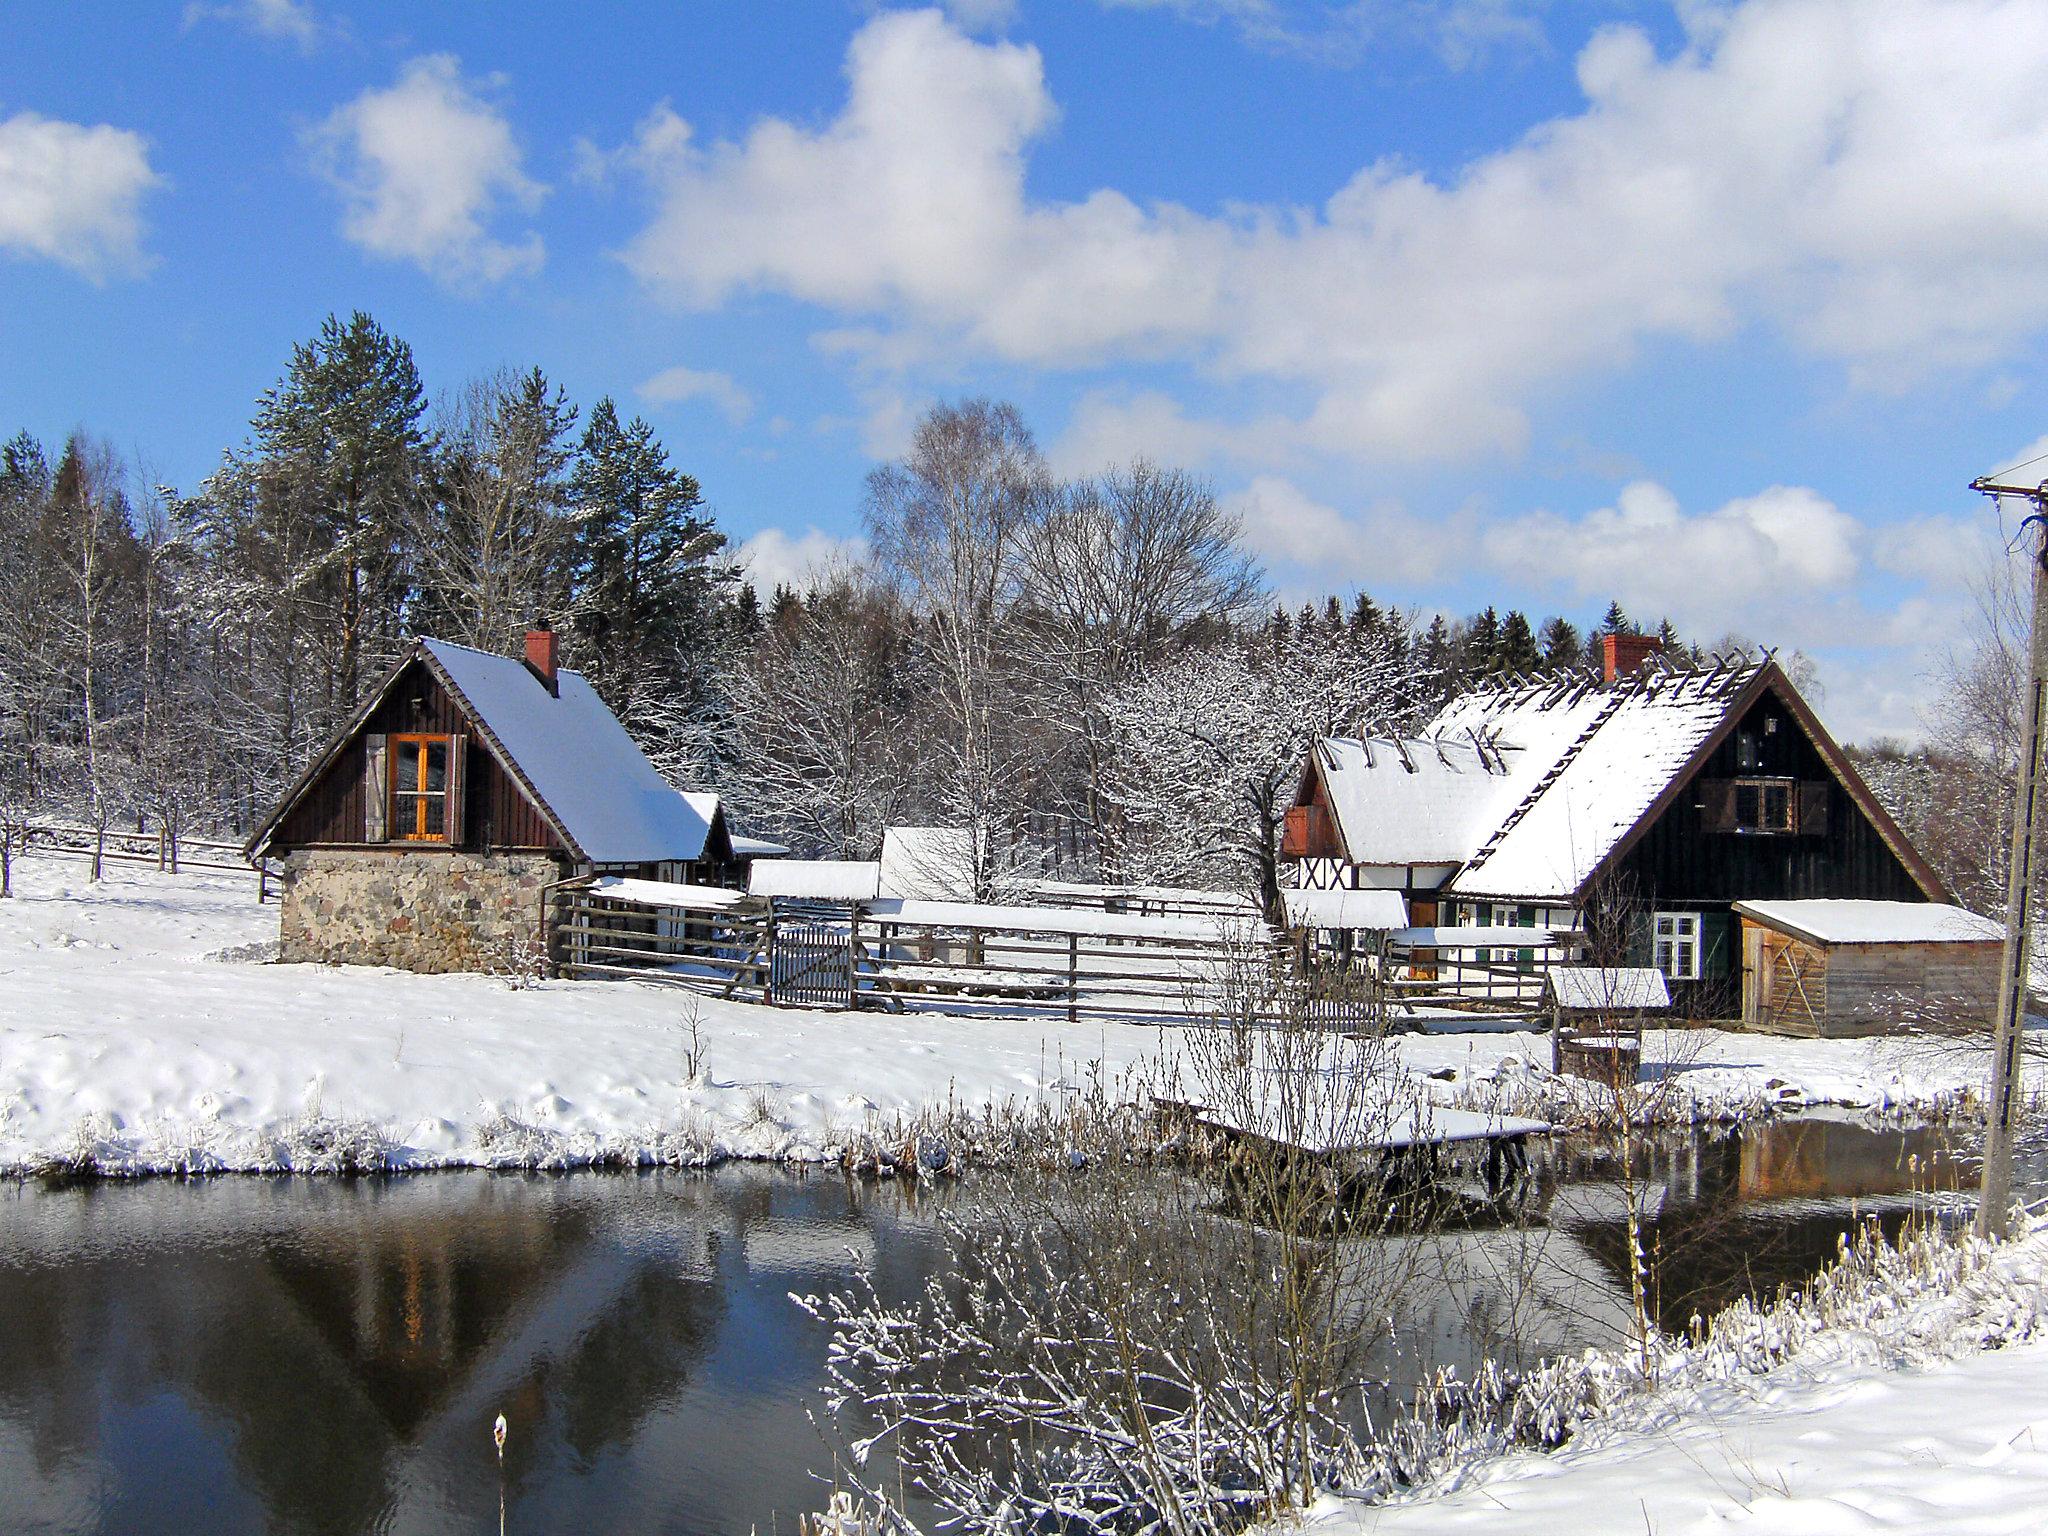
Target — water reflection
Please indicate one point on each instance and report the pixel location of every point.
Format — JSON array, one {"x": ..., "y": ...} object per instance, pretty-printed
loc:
[
  {"x": 315, "y": 1355},
  {"x": 327, "y": 1356}
]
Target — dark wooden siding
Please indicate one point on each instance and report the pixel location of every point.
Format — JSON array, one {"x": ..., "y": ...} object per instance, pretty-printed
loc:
[
  {"x": 1683, "y": 860},
  {"x": 496, "y": 812},
  {"x": 1684, "y": 863}
]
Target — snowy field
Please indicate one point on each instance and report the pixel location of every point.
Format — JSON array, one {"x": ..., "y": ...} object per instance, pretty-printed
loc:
[
  {"x": 1918, "y": 1406},
  {"x": 139, "y": 1033}
]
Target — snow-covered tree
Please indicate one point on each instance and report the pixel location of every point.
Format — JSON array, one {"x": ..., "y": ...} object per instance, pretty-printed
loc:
[{"x": 1210, "y": 747}]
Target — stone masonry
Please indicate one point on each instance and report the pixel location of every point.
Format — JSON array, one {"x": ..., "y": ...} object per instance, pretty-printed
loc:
[{"x": 416, "y": 911}]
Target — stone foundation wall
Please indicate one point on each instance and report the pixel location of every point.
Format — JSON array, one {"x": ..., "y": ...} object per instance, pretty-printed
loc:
[{"x": 411, "y": 910}]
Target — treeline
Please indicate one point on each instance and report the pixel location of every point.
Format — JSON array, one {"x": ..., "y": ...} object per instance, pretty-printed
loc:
[{"x": 1091, "y": 674}]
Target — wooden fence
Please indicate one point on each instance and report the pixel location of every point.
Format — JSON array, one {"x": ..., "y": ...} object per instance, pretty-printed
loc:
[
  {"x": 155, "y": 848},
  {"x": 851, "y": 959}
]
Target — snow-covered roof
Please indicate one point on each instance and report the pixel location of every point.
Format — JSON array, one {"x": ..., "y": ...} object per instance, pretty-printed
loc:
[
  {"x": 815, "y": 879},
  {"x": 1875, "y": 922},
  {"x": 744, "y": 847},
  {"x": 928, "y": 863},
  {"x": 665, "y": 893},
  {"x": 598, "y": 787},
  {"x": 1080, "y": 922},
  {"x": 1348, "y": 910},
  {"x": 1475, "y": 937},
  {"x": 1644, "y": 735},
  {"x": 1412, "y": 801},
  {"x": 1621, "y": 988},
  {"x": 1527, "y": 788}
]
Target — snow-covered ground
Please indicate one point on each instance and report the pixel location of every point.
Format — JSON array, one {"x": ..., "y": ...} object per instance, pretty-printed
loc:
[
  {"x": 1913, "y": 1401},
  {"x": 133, "y": 1038}
]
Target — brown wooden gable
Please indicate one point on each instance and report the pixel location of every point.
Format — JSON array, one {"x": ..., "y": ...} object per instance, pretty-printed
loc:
[{"x": 328, "y": 807}]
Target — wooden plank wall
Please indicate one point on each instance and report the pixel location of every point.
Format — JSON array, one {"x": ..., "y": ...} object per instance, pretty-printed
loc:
[{"x": 496, "y": 812}]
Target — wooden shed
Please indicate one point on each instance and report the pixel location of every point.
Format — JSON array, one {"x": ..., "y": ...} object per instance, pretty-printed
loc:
[{"x": 1834, "y": 968}]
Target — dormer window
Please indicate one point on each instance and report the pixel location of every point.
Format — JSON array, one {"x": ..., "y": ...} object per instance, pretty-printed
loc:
[{"x": 419, "y": 788}]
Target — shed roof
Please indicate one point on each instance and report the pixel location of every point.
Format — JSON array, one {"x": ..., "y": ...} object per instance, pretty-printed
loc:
[
  {"x": 1623, "y": 988},
  {"x": 928, "y": 863},
  {"x": 1874, "y": 922},
  {"x": 815, "y": 879},
  {"x": 1350, "y": 911},
  {"x": 569, "y": 750}
]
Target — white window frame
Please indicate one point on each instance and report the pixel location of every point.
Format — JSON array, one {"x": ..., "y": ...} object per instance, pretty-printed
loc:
[{"x": 1675, "y": 944}]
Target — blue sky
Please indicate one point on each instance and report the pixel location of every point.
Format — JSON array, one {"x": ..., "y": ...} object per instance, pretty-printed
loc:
[{"x": 1715, "y": 308}]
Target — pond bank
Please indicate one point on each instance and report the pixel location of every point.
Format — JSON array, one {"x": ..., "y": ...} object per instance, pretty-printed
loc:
[{"x": 136, "y": 1038}]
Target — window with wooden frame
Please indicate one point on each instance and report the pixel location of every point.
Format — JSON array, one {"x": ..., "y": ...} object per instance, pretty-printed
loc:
[
  {"x": 1767, "y": 805},
  {"x": 1676, "y": 944},
  {"x": 413, "y": 788}
]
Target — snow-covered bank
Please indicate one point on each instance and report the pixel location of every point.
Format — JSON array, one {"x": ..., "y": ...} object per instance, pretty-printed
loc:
[
  {"x": 1908, "y": 1394},
  {"x": 137, "y": 1034}
]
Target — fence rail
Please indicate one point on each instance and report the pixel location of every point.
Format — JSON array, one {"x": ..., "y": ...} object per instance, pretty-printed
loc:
[
  {"x": 861, "y": 962},
  {"x": 155, "y": 848}
]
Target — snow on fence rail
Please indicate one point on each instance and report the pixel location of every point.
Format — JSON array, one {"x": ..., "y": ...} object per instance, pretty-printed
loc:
[{"x": 951, "y": 957}]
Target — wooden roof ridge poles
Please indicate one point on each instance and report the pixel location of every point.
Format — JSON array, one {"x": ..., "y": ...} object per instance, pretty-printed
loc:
[{"x": 1994, "y": 1197}]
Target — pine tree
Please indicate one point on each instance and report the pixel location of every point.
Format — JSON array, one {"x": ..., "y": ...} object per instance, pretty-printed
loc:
[
  {"x": 646, "y": 589},
  {"x": 1517, "y": 650},
  {"x": 1482, "y": 644},
  {"x": 1616, "y": 621},
  {"x": 1562, "y": 644},
  {"x": 340, "y": 438}
]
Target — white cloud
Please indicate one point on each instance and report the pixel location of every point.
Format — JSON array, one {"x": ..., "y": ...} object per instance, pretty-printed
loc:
[
  {"x": 773, "y": 558},
  {"x": 1314, "y": 546},
  {"x": 720, "y": 389},
  {"x": 424, "y": 166},
  {"x": 1747, "y": 564},
  {"x": 1863, "y": 179},
  {"x": 290, "y": 21},
  {"x": 72, "y": 194}
]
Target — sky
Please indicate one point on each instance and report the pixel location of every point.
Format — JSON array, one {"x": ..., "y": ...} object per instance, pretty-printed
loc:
[{"x": 1714, "y": 309}]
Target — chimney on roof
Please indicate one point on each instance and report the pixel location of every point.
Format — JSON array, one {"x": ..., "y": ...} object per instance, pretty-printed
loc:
[
  {"x": 1623, "y": 655},
  {"x": 540, "y": 658}
]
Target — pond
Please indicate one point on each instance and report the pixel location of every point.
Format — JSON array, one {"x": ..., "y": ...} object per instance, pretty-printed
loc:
[{"x": 326, "y": 1355}]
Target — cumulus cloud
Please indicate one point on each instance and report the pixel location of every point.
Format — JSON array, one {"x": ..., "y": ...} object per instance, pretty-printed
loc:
[
  {"x": 1645, "y": 547},
  {"x": 773, "y": 558},
  {"x": 72, "y": 194},
  {"x": 291, "y": 21},
  {"x": 672, "y": 385},
  {"x": 1862, "y": 179},
  {"x": 424, "y": 166}
]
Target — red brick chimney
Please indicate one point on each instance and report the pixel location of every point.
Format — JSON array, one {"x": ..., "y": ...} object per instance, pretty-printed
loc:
[
  {"x": 540, "y": 656},
  {"x": 1623, "y": 655}
]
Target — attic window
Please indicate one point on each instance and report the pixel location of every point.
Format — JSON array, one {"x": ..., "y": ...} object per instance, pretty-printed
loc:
[
  {"x": 419, "y": 788},
  {"x": 1766, "y": 805}
]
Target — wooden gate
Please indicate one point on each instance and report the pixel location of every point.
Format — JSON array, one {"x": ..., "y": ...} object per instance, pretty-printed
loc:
[{"x": 811, "y": 965}]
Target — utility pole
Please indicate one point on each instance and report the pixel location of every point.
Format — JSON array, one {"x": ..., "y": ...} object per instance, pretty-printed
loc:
[{"x": 1995, "y": 1193}]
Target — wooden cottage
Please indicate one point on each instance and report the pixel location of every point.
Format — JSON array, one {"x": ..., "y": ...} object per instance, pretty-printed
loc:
[
  {"x": 1629, "y": 809},
  {"x": 1855, "y": 967},
  {"x": 432, "y": 830}
]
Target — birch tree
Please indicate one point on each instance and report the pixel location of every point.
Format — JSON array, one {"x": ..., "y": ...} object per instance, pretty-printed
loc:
[{"x": 948, "y": 524}]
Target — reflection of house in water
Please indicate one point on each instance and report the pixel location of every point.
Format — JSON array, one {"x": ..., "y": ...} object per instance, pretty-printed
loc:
[{"x": 1807, "y": 1159}]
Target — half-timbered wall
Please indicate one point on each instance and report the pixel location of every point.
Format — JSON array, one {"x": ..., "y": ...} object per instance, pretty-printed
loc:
[{"x": 496, "y": 812}]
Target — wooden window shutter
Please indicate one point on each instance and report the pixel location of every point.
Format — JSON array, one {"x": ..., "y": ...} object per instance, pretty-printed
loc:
[
  {"x": 458, "y": 782},
  {"x": 1812, "y": 812},
  {"x": 1717, "y": 804},
  {"x": 376, "y": 787}
]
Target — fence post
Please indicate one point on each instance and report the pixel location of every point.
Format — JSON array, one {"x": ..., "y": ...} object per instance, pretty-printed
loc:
[
  {"x": 1073, "y": 977},
  {"x": 768, "y": 959}
]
